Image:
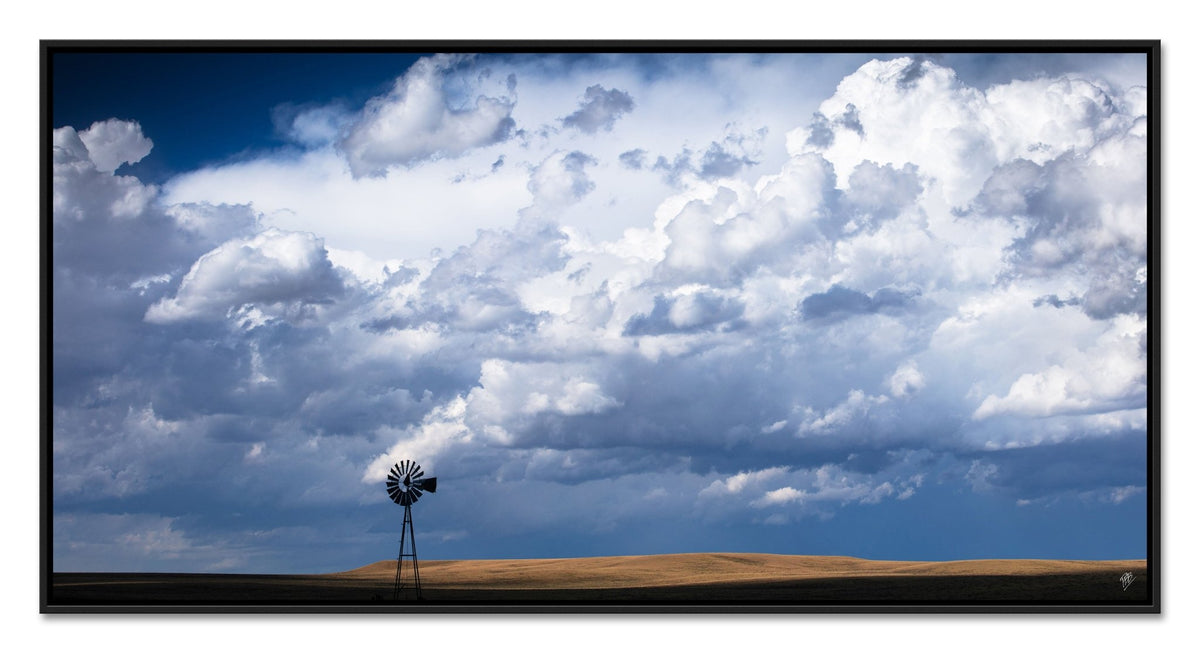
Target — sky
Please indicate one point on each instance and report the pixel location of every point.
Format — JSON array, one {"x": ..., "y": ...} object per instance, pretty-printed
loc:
[{"x": 890, "y": 306}]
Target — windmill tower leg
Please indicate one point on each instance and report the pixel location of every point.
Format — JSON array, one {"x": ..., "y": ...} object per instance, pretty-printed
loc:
[
  {"x": 400, "y": 558},
  {"x": 406, "y": 528},
  {"x": 412, "y": 539}
]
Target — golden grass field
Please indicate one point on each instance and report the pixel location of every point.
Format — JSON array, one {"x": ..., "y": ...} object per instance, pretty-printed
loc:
[{"x": 730, "y": 578}]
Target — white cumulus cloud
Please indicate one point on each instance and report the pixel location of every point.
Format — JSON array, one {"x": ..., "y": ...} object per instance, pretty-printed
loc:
[
  {"x": 113, "y": 143},
  {"x": 417, "y": 121},
  {"x": 1110, "y": 375},
  {"x": 274, "y": 271}
]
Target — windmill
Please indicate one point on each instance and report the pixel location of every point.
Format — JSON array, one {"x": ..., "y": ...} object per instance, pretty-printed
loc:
[{"x": 405, "y": 483}]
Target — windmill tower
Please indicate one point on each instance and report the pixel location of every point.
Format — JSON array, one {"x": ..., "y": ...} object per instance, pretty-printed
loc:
[{"x": 405, "y": 483}]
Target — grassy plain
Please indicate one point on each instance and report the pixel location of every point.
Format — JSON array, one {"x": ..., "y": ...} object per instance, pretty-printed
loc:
[{"x": 721, "y": 578}]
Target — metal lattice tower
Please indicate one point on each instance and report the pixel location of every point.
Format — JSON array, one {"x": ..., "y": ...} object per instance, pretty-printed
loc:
[{"x": 405, "y": 484}]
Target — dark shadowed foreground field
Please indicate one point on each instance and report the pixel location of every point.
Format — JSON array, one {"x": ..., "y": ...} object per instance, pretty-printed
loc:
[{"x": 713, "y": 578}]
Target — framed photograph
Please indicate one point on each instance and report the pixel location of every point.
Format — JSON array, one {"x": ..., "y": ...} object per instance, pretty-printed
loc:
[{"x": 600, "y": 326}]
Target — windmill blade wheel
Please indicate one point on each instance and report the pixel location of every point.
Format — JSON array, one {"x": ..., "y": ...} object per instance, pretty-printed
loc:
[{"x": 406, "y": 482}]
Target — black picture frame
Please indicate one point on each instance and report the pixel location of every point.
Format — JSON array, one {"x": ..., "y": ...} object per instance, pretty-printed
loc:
[{"x": 54, "y": 600}]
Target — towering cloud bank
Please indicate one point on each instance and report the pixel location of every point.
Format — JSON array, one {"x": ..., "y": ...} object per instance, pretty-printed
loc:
[{"x": 934, "y": 279}]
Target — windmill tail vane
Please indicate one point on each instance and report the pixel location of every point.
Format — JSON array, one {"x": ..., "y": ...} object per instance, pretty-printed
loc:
[{"x": 406, "y": 482}]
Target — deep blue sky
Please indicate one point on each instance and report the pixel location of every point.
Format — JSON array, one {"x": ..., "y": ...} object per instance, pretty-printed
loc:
[
  {"x": 205, "y": 108},
  {"x": 889, "y": 307}
]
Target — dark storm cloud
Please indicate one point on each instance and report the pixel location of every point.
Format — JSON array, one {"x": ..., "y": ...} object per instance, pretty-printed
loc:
[
  {"x": 600, "y": 109},
  {"x": 1049, "y": 470},
  {"x": 574, "y": 466},
  {"x": 687, "y": 314},
  {"x": 763, "y": 409},
  {"x": 350, "y": 409},
  {"x": 839, "y": 303}
]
